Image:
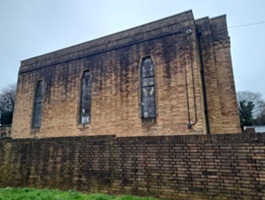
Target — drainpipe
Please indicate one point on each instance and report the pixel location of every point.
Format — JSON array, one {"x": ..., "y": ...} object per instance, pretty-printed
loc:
[{"x": 189, "y": 50}]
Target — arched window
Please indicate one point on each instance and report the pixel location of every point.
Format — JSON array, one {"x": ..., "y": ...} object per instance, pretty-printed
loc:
[
  {"x": 85, "y": 99},
  {"x": 148, "y": 101},
  {"x": 37, "y": 111}
]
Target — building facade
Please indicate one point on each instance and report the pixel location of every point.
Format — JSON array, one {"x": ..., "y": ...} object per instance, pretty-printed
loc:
[{"x": 169, "y": 77}]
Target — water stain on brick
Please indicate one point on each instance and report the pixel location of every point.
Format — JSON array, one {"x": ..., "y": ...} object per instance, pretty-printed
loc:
[
  {"x": 139, "y": 165},
  {"x": 116, "y": 98}
]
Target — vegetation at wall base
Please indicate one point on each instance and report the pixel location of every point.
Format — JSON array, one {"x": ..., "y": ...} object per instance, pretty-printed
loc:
[{"x": 48, "y": 194}]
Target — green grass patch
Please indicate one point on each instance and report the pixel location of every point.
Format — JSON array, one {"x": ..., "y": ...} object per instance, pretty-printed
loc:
[{"x": 47, "y": 194}]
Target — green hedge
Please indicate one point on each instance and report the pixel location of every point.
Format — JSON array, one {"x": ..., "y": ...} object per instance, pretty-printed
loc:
[{"x": 6, "y": 118}]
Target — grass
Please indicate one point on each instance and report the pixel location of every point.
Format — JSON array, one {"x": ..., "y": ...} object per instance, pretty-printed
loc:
[{"x": 47, "y": 194}]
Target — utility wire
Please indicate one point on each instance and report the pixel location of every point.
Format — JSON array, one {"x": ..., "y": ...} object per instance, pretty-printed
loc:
[{"x": 251, "y": 24}]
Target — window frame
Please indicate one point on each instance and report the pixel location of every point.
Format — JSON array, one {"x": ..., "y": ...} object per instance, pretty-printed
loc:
[
  {"x": 151, "y": 84},
  {"x": 80, "y": 109}
]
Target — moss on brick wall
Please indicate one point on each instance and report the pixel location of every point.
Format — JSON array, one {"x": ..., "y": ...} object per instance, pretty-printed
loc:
[
  {"x": 6, "y": 163},
  {"x": 184, "y": 167}
]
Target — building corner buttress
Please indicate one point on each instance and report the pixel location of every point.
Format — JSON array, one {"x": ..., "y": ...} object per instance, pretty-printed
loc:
[{"x": 220, "y": 96}]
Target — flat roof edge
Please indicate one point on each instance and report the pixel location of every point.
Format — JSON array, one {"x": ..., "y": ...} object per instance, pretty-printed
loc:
[{"x": 181, "y": 17}]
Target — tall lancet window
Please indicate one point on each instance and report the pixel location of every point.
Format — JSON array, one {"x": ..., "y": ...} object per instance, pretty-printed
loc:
[
  {"x": 148, "y": 99},
  {"x": 85, "y": 98},
  {"x": 37, "y": 111}
]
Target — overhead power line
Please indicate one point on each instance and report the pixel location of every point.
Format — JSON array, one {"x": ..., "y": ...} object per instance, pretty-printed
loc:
[{"x": 250, "y": 24}]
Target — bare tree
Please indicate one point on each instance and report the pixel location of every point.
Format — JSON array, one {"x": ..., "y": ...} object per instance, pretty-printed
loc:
[
  {"x": 7, "y": 101},
  {"x": 255, "y": 98},
  {"x": 261, "y": 117}
]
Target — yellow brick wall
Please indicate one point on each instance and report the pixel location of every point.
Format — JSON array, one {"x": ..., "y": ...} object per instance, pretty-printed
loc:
[
  {"x": 217, "y": 63},
  {"x": 114, "y": 63}
]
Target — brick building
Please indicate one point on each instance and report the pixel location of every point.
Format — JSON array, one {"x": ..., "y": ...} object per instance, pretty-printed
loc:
[{"x": 169, "y": 77}]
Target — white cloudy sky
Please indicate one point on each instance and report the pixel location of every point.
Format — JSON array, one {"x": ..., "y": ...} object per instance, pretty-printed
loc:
[{"x": 33, "y": 27}]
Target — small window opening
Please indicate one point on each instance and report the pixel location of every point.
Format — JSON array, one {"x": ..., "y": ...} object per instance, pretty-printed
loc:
[
  {"x": 85, "y": 100},
  {"x": 37, "y": 111},
  {"x": 148, "y": 101}
]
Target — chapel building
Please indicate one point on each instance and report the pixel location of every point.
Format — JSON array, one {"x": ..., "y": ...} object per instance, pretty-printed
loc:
[{"x": 169, "y": 77}]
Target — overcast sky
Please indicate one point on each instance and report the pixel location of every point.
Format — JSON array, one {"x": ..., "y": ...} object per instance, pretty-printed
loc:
[{"x": 30, "y": 28}]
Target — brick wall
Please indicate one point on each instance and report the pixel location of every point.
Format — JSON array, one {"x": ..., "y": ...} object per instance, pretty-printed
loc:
[
  {"x": 228, "y": 166},
  {"x": 5, "y": 131},
  {"x": 114, "y": 63},
  {"x": 218, "y": 74}
]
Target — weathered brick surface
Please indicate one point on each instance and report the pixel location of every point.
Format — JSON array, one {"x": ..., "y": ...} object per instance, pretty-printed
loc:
[
  {"x": 217, "y": 64},
  {"x": 114, "y": 63},
  {"x": 172, "y": 167}
]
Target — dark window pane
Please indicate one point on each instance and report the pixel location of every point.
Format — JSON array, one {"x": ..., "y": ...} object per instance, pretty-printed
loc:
[
  {"x": 85, "y": 98},
  {"x": 37, "y": 111},
  {"x": 148, "y": 102},
  {"x": 147, "y": 68}
]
